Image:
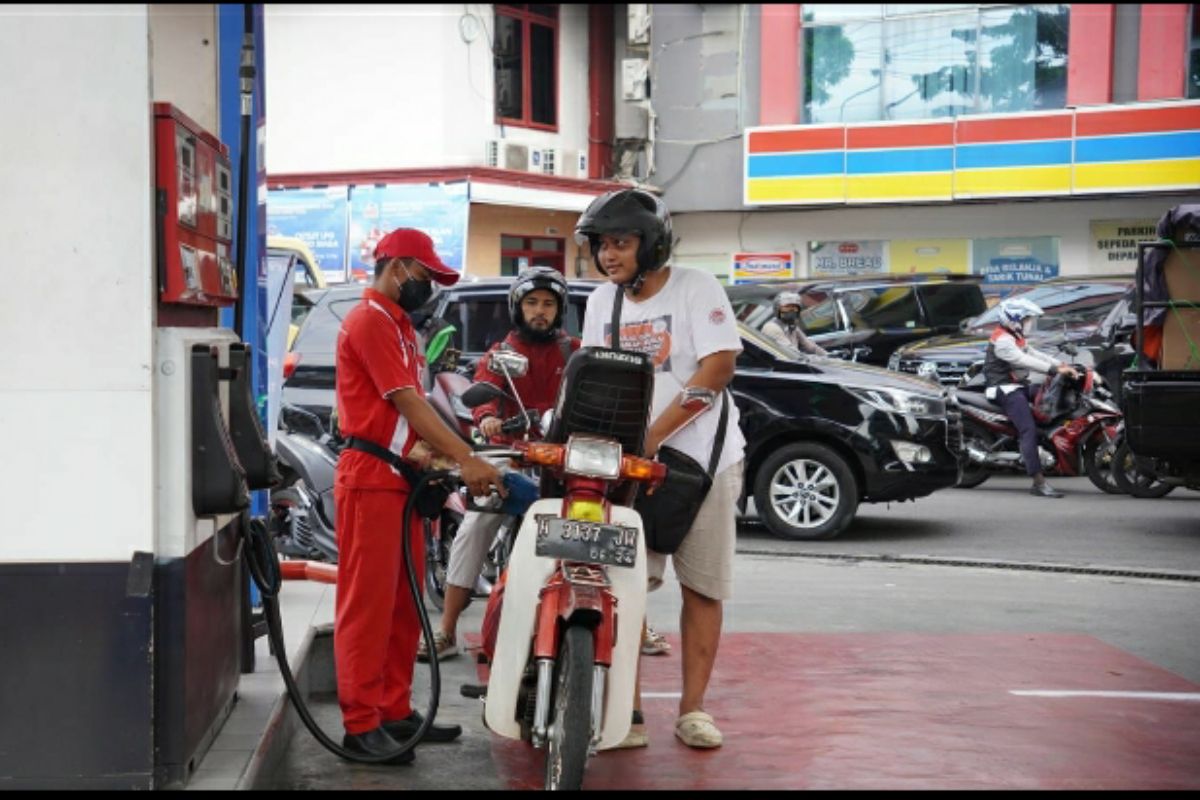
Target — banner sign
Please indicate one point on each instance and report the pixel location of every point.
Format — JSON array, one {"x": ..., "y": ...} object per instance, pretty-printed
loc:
[
  {"x": 751, "y": 267},
  {"x": 842, "y": 259},
  {"x": 440, "y": 210},
  {"x": 1114, "y": 243},
  {"x": 318, "y": 218},
  {"x": 1009, "y": 261},
  {"x": 912, "y": 256}
]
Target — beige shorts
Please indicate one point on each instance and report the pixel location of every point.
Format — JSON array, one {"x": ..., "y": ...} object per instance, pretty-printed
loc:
[{"x": 704, "y": 562}]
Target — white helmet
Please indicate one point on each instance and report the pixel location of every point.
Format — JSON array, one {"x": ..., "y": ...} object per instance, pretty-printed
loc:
[
  {"x": 786, "y": 299},
  {"x": 1017, "y": 309}
]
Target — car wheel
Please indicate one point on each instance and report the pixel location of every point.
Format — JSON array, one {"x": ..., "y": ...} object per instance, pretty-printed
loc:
[
  {"x": 1133, "y": 480},
  {"x": 805, "y": 491},
  {"x": 973, "y": 473}
]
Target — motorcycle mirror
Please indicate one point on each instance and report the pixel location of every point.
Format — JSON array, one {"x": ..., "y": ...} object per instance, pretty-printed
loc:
[
  {"x": 481, "y": 393},
  {"x": 1070, "y": 349},
  {"x": 299, "y": 419},
  {"x": 697, "y": 398},
  {"x": 501, "y": 361}
]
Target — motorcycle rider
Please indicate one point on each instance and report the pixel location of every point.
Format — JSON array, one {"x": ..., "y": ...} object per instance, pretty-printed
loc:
[
  {"x": 537, "y": 305},
  {"x": 785, "y": 328},
  {"x": 1006, "y": 367}
]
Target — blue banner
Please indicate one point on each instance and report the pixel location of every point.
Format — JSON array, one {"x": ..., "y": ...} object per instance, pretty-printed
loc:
[
  {"x": 318, "y": 218},
  {"x": 1016, "y": 260},
  {"x": 440, "y": 210}
]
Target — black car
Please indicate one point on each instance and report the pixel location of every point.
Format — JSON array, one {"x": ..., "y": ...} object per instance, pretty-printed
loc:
[
  {"x": 1076, "y": 311},
  {"x": 822, "y": 435},
  {"x": 865, "y": 319}
]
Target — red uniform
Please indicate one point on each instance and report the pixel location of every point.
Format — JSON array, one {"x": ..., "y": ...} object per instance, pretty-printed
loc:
[
  {"x": 538, "y": 388},
  {"x": 376, "y": 622}
]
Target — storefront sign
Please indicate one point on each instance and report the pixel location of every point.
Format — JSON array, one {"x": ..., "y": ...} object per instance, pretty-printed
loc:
[
  {"x": 1009, "y": 261},
  {"x": 751, "y": 267},
  {"x": 440, "y": 210},
  {"x": 318, "y": 218},
  {"x": 841, "y": 259},
  {"x": 912, "y": 256},
  {"x": 1114, "y": 243}
]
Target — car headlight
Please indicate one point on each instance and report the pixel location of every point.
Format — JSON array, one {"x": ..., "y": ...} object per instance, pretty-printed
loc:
[
  {"x": 593, "y": 457},
  {"x": 898, "y": 401},
  {"x": 911, "y": 453}
]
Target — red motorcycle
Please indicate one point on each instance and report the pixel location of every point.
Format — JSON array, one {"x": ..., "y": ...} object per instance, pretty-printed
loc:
[{"x": 1078, "y": 426}]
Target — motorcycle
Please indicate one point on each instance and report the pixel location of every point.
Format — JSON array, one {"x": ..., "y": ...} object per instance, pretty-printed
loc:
[
  {"x": 564, "y": 664},
  {"x": 303, "y": 516},
  {"x": 1077, "y": 436}
]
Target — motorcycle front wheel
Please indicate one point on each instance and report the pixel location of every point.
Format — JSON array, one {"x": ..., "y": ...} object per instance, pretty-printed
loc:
[
  {"x": 1098, "y": 463},
  {"x": 570, "y": 731}
]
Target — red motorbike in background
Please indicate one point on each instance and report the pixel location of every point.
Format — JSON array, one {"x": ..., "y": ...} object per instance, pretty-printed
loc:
[{"x": 1078, "y": 425}]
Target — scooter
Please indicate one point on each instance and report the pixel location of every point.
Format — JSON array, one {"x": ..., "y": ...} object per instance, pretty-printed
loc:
[
  {"x": 303, "y": 516},
  {"x": 563, "y": 670},
  {"x": 1075, "y": 437}
]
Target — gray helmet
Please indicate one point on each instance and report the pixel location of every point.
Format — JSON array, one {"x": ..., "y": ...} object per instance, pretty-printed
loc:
[
  {"x": 626, "y": 211},
  {"x": 786, "y": 299},
  {"x": 537, "y": 278}
]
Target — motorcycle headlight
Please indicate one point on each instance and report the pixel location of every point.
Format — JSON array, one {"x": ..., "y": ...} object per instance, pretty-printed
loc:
[
  {"x": 898, "y": 401},
  {"x": 593, "y": 457}
]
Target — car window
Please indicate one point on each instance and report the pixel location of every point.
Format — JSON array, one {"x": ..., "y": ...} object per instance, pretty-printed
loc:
[
  {"x": 818, "y": 316},
  {"x": 1069, "y": 304},
  {"x": 483, "y": 321},
  {"x": 882, "y": 307},
  {"x": 319, "y": 332},
  {"x": 946, "y": 304}
]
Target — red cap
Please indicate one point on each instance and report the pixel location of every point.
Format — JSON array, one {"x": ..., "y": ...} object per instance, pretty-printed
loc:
[{"x": 412, "y": 243}]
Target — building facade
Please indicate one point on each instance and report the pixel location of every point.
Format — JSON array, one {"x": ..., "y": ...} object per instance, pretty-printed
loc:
[{"x": 1014, "y": 141}]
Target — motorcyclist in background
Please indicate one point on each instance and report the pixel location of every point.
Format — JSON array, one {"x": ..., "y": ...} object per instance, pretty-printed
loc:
[
  {"x": 537, "y": 305},
  {"x": 1006, "y": 367},
  {"x": 785, "y": 328}
]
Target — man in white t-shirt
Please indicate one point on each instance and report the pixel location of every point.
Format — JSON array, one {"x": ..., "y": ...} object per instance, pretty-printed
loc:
[{"x": 682, "y": 319}]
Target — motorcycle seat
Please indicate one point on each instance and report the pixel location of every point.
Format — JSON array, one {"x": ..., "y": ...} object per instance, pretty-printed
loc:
[{"x": 979, "y": 400}]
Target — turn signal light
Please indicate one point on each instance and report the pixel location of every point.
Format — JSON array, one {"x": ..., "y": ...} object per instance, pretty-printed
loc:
[
  {"x": 641, "y": 469},
  {"x": 543, "y": 454}
]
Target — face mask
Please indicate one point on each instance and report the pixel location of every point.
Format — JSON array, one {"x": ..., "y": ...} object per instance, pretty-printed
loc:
[
  {"x": 414, "y": 293},
  {"x": 789, "y": 317}
]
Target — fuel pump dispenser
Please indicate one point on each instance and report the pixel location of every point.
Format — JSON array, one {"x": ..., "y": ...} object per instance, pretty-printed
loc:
[{"x": 211, "y": 449}]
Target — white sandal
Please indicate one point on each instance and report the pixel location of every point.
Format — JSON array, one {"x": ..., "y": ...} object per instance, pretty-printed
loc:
[{"x": 696, "y": 729}]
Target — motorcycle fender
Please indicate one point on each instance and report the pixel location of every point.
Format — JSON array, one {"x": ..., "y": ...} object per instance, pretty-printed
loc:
[{"x": 527, "y": 574}]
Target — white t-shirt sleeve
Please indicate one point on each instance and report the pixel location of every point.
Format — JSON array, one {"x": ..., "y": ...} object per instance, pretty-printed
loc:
[{"x": 714, "y": 327}]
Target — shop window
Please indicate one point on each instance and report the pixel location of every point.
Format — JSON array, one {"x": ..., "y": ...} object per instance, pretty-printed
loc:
[
  {"x": 526, "y": 65},
  {"x": 871, "y": 62},
  {"x": 519, "y": 252}
]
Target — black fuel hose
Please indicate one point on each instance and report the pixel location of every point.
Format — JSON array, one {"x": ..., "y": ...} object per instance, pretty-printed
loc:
[{"x": 263, "y": 564}]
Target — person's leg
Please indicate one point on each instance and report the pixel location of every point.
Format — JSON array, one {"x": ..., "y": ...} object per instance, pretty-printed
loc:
[
  {"x": 1016, "y": 408},
  {"x": 467, "y": 553},
  {"x": 406, "y": 625},
  {"x": 704, "y": 565},
  {"x": 368, "y": 579}
]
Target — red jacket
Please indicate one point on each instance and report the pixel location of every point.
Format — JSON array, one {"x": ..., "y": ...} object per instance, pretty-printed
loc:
[{"x": 538, "y": 388}]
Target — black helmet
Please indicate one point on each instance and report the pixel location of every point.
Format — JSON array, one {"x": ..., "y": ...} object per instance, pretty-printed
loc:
[
  {"x": 526, "y": 282},
  {"x": 625, "y": 211}
]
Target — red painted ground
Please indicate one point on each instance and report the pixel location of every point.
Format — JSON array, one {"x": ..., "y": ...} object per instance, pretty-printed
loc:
[{"x": 906, "y": 711}]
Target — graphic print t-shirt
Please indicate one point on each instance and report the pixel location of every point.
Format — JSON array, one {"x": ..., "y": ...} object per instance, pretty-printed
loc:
[{"x": 688, "y": 319}]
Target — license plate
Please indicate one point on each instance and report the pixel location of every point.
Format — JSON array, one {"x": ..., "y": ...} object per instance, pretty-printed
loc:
[{"x": 590, "y": 542}]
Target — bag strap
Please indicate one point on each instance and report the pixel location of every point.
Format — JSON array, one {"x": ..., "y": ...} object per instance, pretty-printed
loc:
[
  {"x": 615, "y": 344},
  {"x": 719, "y": 443}
]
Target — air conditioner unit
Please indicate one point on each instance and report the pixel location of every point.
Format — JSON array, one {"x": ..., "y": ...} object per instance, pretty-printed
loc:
[
  {"x": 549, "y": 161},
  {"x": 506, "y": 155}
]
